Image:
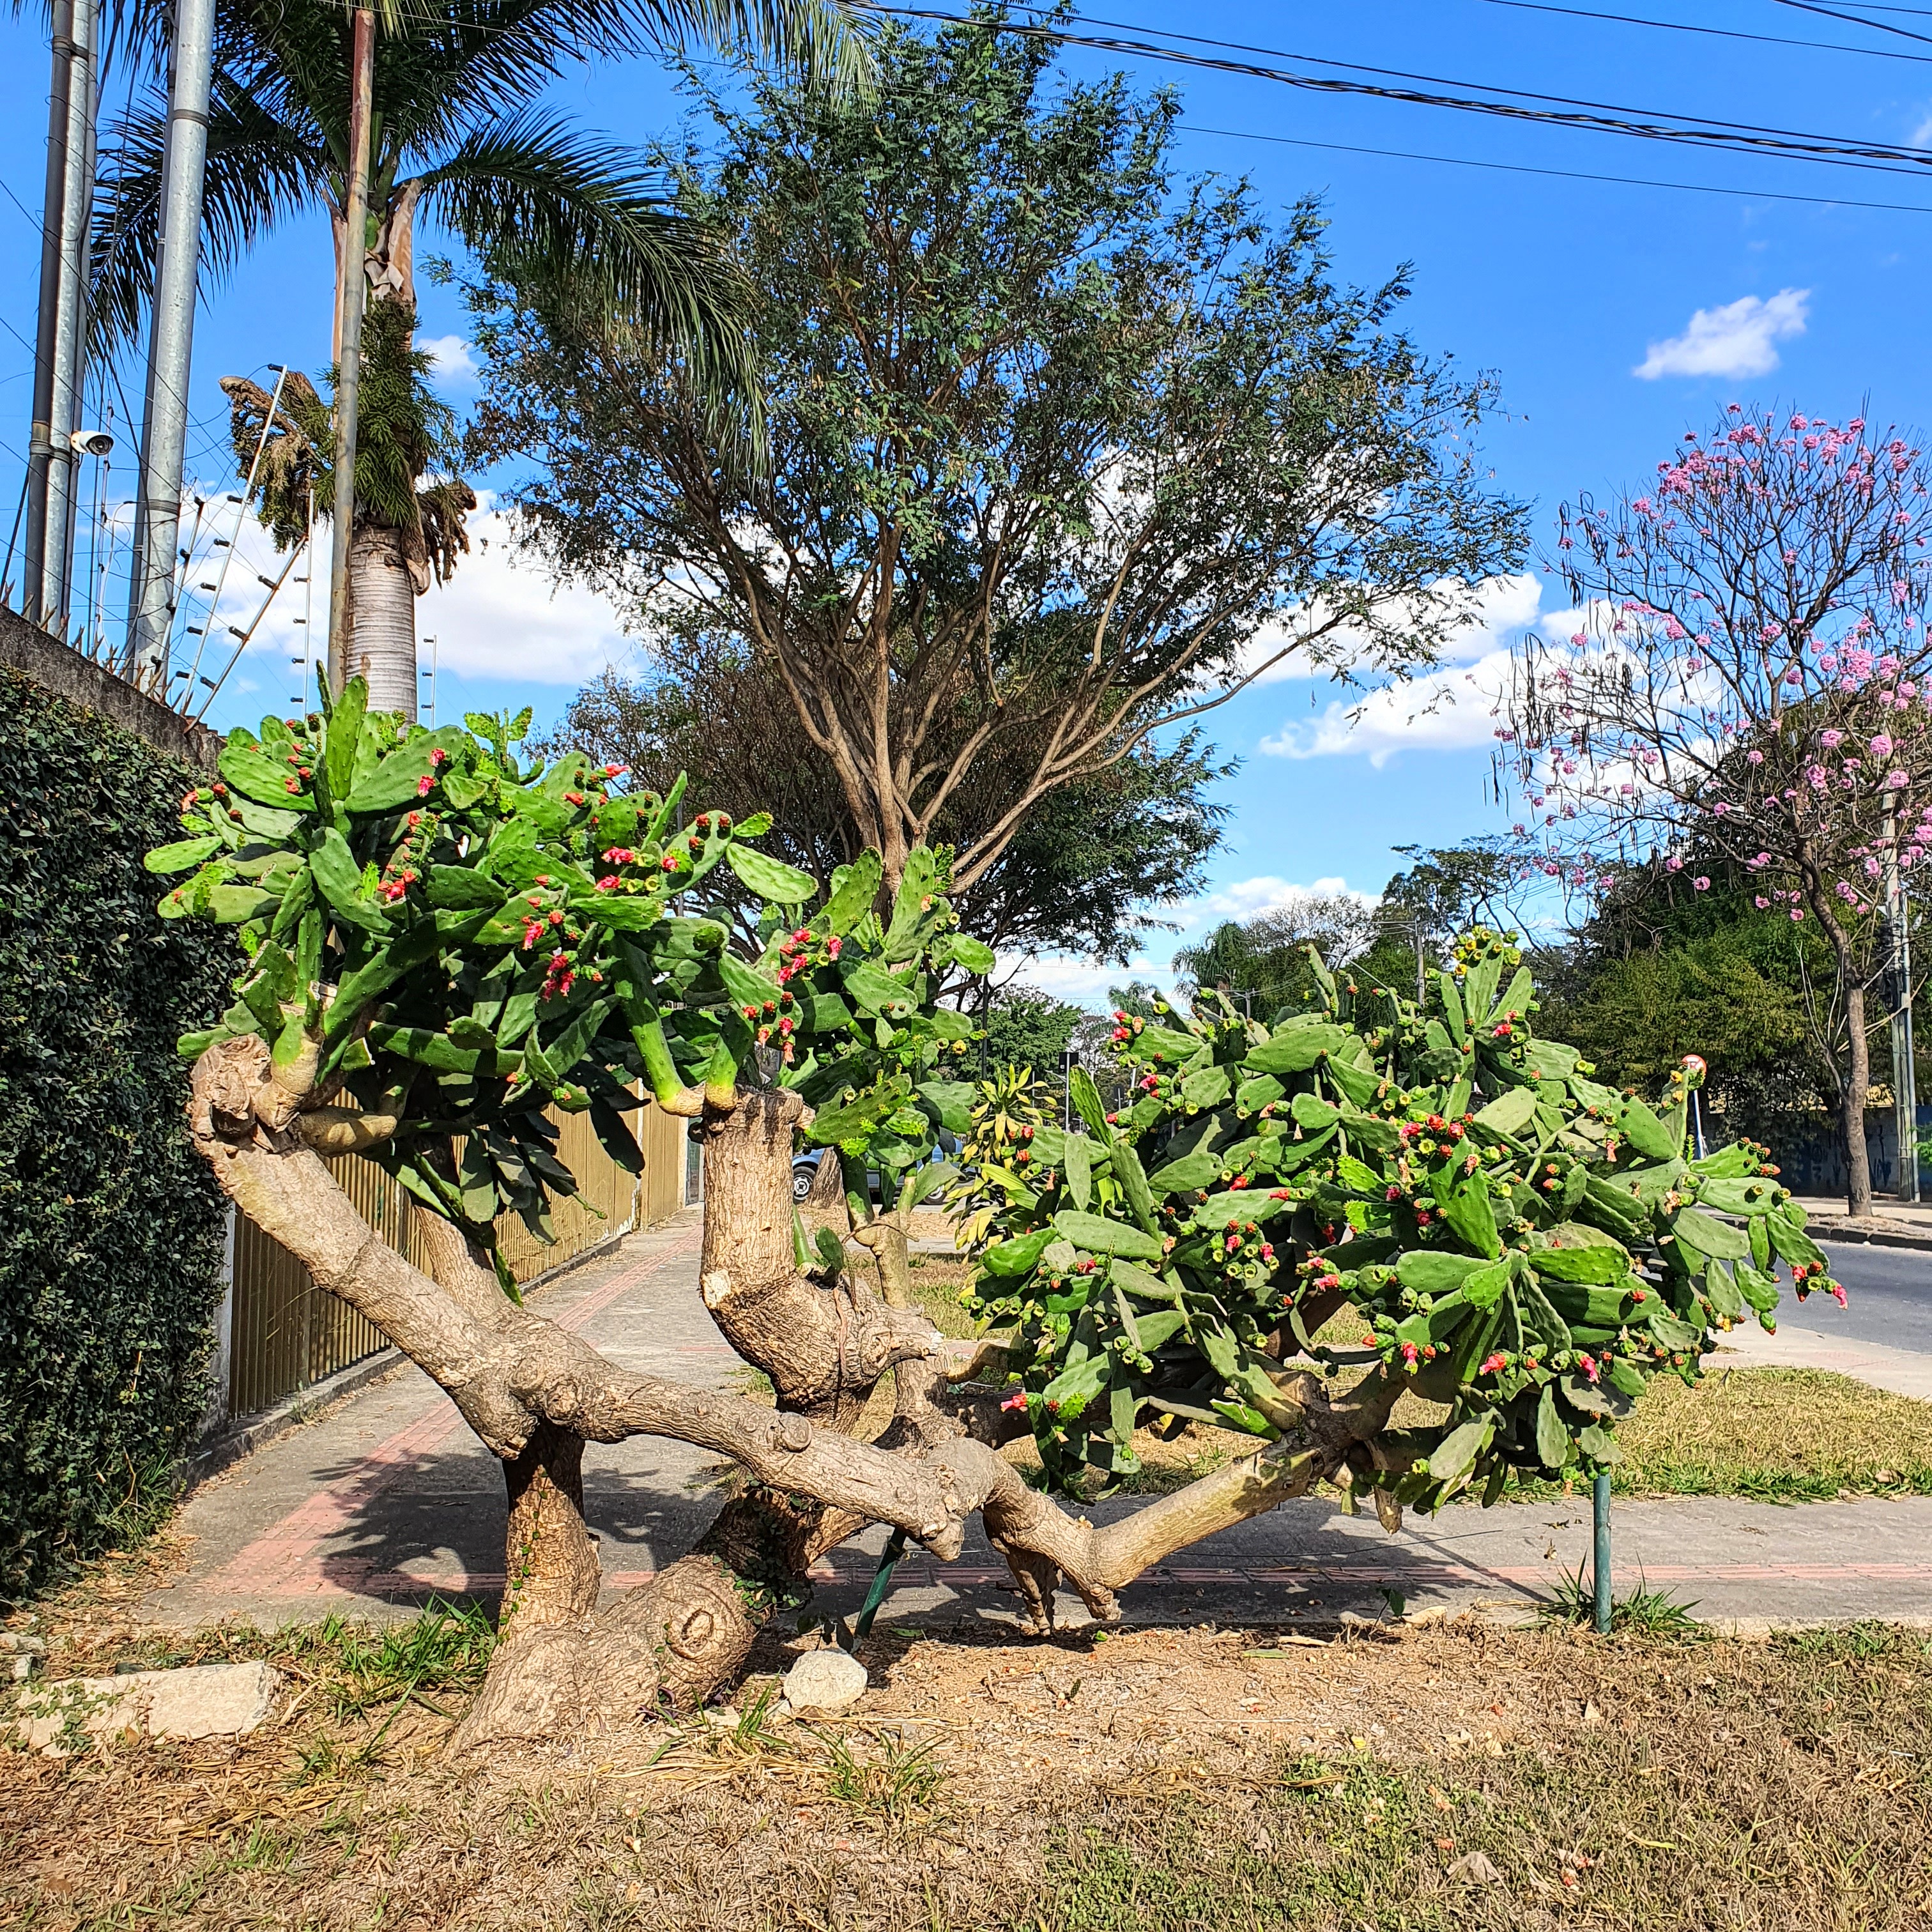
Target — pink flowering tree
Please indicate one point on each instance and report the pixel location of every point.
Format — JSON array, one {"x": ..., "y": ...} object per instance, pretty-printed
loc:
[{"x": 1749, "y": 680}]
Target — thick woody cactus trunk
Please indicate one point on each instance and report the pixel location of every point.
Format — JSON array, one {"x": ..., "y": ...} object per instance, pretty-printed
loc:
[{"x": 672, "y": 1642}]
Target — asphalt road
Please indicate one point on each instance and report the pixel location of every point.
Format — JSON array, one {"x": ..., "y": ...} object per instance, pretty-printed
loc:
[{"x": 1888, "y": 1292}]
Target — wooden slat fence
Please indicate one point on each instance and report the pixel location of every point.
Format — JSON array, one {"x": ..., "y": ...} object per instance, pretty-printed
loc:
[{"x": 286, "y": 1334}]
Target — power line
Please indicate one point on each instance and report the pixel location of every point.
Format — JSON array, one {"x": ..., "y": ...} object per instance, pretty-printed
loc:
[
  {"x": 1597, "y": 117},
  {"x": 1713, "y": 33},
  {"x": 1858, "y": 20},
  {"x": 1560, "y": 174}
]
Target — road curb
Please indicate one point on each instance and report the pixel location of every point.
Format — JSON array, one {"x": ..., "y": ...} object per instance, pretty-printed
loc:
[{"x": 1861, "y": 1234}]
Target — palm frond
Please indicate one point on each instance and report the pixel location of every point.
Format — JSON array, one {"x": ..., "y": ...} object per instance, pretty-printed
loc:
[
  {"x": 446, "y": 69},
  {"x": 592, "y": 229},
  {"x": 260, "y": 170},
  {"x": 293, "y": 476}
]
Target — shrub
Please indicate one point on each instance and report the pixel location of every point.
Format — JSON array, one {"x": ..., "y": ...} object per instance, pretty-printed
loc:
[{"x": 110, "y": 1224}]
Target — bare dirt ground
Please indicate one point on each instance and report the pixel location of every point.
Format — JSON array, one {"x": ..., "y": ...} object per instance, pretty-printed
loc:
[{"x": 1445, "y": 1776}]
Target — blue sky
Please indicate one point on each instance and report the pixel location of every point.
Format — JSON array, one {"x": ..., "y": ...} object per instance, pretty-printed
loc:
[{"x": 1614, "y": 316}]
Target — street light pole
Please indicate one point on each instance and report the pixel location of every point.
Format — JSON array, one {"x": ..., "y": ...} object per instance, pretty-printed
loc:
[
  {"x": 353, "y": 293},
  {"x": 70, "y": 322},
  {"x": 170, "y": 345},
  {"x": 39, "y": 435},
  {"x": 1904, "y": 1083}
]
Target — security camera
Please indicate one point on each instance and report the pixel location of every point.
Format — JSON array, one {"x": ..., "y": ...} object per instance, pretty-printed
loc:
[{"x": 91, "y": 441}]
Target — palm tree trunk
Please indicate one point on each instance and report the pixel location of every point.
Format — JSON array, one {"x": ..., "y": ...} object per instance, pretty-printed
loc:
[{"x": 382, "y": 628}]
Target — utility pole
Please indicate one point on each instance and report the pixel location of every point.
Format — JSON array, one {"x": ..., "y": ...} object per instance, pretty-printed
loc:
[
  {"x": 1904, "y": 1083},
  {"x": 40, "y": 437},
  {"x": 70, "y": 320},
  {"x": 354, "y": 290},
  {"x": 170, "y": 347}
]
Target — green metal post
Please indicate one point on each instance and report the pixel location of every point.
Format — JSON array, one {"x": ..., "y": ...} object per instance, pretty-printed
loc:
[{"x": 1600, "y": 1496}]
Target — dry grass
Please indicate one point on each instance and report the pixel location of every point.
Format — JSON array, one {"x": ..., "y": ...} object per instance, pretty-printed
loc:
[{"x": 1412, "y": 1781}]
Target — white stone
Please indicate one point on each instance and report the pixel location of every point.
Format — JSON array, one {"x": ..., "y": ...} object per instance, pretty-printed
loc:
[
  {"x": 209, "y": 1700},
  {"x": 825, "y": 1680}
]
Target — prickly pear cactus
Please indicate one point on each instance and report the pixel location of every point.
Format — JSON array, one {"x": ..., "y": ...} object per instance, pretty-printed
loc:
[
  {"x": 1445, "y": 1197},
  {"x": 443, "y": 933}
]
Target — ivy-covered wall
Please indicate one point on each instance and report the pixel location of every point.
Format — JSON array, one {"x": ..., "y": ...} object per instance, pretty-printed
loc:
[{"x": 111, "y": 1225}]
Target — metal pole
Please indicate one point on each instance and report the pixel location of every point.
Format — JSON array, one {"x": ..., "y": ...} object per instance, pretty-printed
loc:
[
  {"x": 70, "y": 323},
  {"x": 349, "y": 338},
  {"x": 1600, "y": 1498},
  {"x": 1904, "y": 1084},
  {"x": 171, "y": 343},
  {"x": 46, "y": 346}
]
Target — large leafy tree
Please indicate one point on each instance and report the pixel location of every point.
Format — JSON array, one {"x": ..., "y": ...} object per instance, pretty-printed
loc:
[
  {"x": 458, "y": 139},
  {"x": 1077, "y": 876},
  {"x": 1062, "y": 451}
]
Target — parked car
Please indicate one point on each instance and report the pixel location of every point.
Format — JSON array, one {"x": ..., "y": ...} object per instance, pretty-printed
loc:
[{"x": 805, "y": 1170}]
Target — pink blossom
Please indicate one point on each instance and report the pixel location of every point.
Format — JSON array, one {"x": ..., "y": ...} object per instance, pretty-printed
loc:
[
  {"x": 1831, "y": 740},
  {"x": 1881, "y": 746},
  {"x": 1797, "y": 914},
  {"x": 1703, "y": 884},
  {"x": 1760, "y": 902},
  {"x": 1754, "y": 757},
  {"x": 1896, "y": 781},
  {"x": 1673, "y": 865}
]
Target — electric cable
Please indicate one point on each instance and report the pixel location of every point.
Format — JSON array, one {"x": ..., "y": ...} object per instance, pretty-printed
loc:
[
  {"x": 1560, "y": 174},
  {"x": 1713, "y": 33},
  {"x": 1597, "y": 117}
]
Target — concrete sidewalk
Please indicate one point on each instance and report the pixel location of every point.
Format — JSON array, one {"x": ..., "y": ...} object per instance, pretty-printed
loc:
[{"x": 386, "y": 1500}]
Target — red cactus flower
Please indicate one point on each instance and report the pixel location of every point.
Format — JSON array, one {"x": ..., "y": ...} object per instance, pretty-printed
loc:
[{"x": 423, "y": 786}]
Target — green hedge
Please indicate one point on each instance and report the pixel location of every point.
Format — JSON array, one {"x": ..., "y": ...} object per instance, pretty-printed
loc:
[{"x": 110, "y": 1224}]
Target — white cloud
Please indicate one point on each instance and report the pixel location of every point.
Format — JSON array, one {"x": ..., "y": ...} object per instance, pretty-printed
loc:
[
  {"x": 1735, "y": 340},
  {"x": 1454, "y": 712},
  {"x": 1084, "y": 983},
  {"x": 502, "y": 615},
  {"x": 1499, "y": 605},
  {"x": 1922, "y": 135},
  {"x": 455, "y": 366},
  {"x": 1247, "y": 898},
  {"x": 499, "y": 616}
]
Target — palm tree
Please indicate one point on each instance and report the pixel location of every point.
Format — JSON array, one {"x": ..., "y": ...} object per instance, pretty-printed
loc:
[
  {"x": 411, "y": 508},
  {"x": 454, "y": 139}
]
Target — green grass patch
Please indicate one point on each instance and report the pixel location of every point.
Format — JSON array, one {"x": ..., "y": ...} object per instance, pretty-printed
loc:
[{"x": 1772, "y": 1435}]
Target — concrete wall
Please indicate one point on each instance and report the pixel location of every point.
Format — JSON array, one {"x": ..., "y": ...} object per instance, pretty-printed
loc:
[
  {"x": 1808, "y": 1151},
  {"x": 52, "y": 665}
]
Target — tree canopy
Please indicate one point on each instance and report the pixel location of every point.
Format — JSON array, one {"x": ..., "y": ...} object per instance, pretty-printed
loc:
[
  {"x": 1062, "y": 450},
  {"x": 1752, "y": 680}
]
